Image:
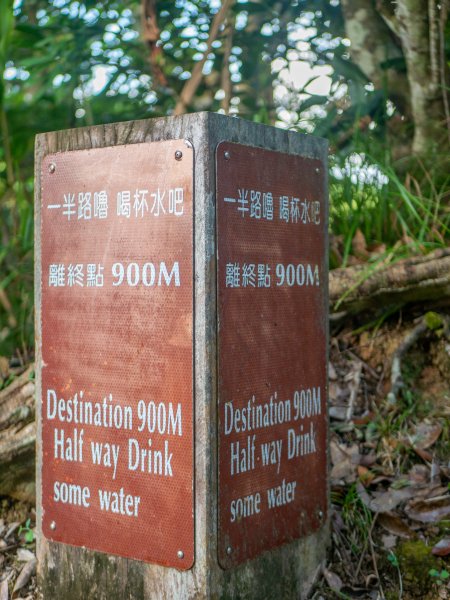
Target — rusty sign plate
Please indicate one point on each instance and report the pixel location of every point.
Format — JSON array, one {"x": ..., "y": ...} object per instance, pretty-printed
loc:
[
  {"x": 117, "y": 350},
  {"x": 271, "y": 223}
]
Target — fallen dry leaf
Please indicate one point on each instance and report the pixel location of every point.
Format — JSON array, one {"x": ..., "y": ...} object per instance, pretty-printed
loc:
[
  {"x": 338, "y": 413},
  {"x": 395, "y": 525},
  {"x": 442, "y": 548},
  {"x": 424, "y": 454},
  {"x": 365, "y": 475},
  {"x": 334, "y": 581},
  {"x": 429, "y": 511},
  {"x": 435, "y": 491},
  {"x": 363, "y": 494},
  {"x": 387, "y": 501},
  {"x": 24, "y": 555},
  {"x": 25, "y": 575},
  {"x": 345, "y": 460},
  {"x": 4, "y": 594},
  {"x": 367, "y": 460},
  {"x": 419, "y": 474},
  {"x": 331, "y": 371},
  {"x": 426, "y": 434}
]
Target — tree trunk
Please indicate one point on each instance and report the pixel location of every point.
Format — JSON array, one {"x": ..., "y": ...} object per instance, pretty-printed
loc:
[
  {"x": 415, "y": 30},
  {"x": 419, "y": 32},
  {"x": 372, "y": 44}
]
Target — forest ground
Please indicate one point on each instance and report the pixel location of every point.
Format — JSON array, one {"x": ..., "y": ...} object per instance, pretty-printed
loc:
[{"x": 390, "y": 469}]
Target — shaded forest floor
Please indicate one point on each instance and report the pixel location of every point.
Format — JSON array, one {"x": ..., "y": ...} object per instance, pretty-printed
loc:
[
  {"x": 390, "y": 458},
  {"x": 390, "y": 472}
]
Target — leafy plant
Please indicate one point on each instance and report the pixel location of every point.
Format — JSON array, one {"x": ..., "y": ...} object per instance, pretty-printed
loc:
[
  {"x": 440, "y": 576},
  {"x": 27, "y": 532}
]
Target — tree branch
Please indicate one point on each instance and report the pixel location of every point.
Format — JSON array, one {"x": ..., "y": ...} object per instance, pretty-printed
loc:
[
  {"x": 151, "y": 33},
  {"x": 225, "y": 75},
  {"x": 189, "y": 89}
]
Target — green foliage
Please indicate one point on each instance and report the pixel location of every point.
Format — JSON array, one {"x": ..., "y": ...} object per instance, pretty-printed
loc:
[
  {"x": 27, "y": 532},
  {"x": 441, "y": 576},
  {"x": 386, "y": 211},
  {"x": 433, "y": 320},
  {"x": 51, "y": 53},
  {"x": 393, "y": 559},
  {"x": 68, "y": 64},
  {"x": 357, "y": 518}
]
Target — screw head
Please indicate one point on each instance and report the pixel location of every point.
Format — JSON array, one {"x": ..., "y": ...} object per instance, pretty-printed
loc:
[
  {"x": 320, "y": 514},
  {"x": 227, "y": 155},
  {"x": 180, "y": 554},
  {"x": 178, "y": 155},
  {"x": 317, "y": 170},
  {"x": 229, "y": 550},
  {"x": 51, "y": 168},
  {"x": 53, "y": 525}
]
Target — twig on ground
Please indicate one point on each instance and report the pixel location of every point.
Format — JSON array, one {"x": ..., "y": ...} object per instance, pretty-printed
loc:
[
  {"x": 368, "y": 368},
  {"x": 396, "y": 373},
  {"x": 356, "y": 379}
]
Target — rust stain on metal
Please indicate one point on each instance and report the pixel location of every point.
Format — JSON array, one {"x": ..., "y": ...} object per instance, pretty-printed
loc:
[
  {"x": 117, "y": 351},
  {"x": 272, "y": 349}
]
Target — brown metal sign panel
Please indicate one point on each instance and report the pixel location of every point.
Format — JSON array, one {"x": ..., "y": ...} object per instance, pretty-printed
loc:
[
  {"x": 117, "y": 350},
  {"x": 271, "y": 219}
]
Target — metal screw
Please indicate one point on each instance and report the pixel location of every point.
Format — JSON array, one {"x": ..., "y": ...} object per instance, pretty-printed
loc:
[
  {"x": 178, "y": 155},
  {"x": 320, "y": 514},
  {"x": 53, "y": 525},
  {"x": 229, "y": 550},
  {"x": 317, "y": 170},
  {"x": 51, "y": 168},
  {"x": 180, "y": 554},
  {"x": 227, "y": 155}
]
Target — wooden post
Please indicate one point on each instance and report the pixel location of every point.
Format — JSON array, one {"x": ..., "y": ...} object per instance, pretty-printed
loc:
[{"x": 256, "y": 202}]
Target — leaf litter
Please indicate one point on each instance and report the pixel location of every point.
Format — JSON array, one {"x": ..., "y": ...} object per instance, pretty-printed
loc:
[
  {"x": 389, "y": 478},
  {"x": 390, "y": 468},
  {"x": 17, "y": 555}
]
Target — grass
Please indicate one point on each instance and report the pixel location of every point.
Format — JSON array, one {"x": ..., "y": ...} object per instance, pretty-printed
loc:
[
  {"x": 395, "y": 217},
  {"x": 16, "y": 269}
]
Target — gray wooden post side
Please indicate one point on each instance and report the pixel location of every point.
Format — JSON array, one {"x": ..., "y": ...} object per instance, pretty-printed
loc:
[{"x": 287, "y": 571}]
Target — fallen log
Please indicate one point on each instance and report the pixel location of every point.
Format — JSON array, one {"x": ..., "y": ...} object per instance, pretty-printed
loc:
[
  {"x": 365, "y": 287},
  {"x": 18, "y": 438}
]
